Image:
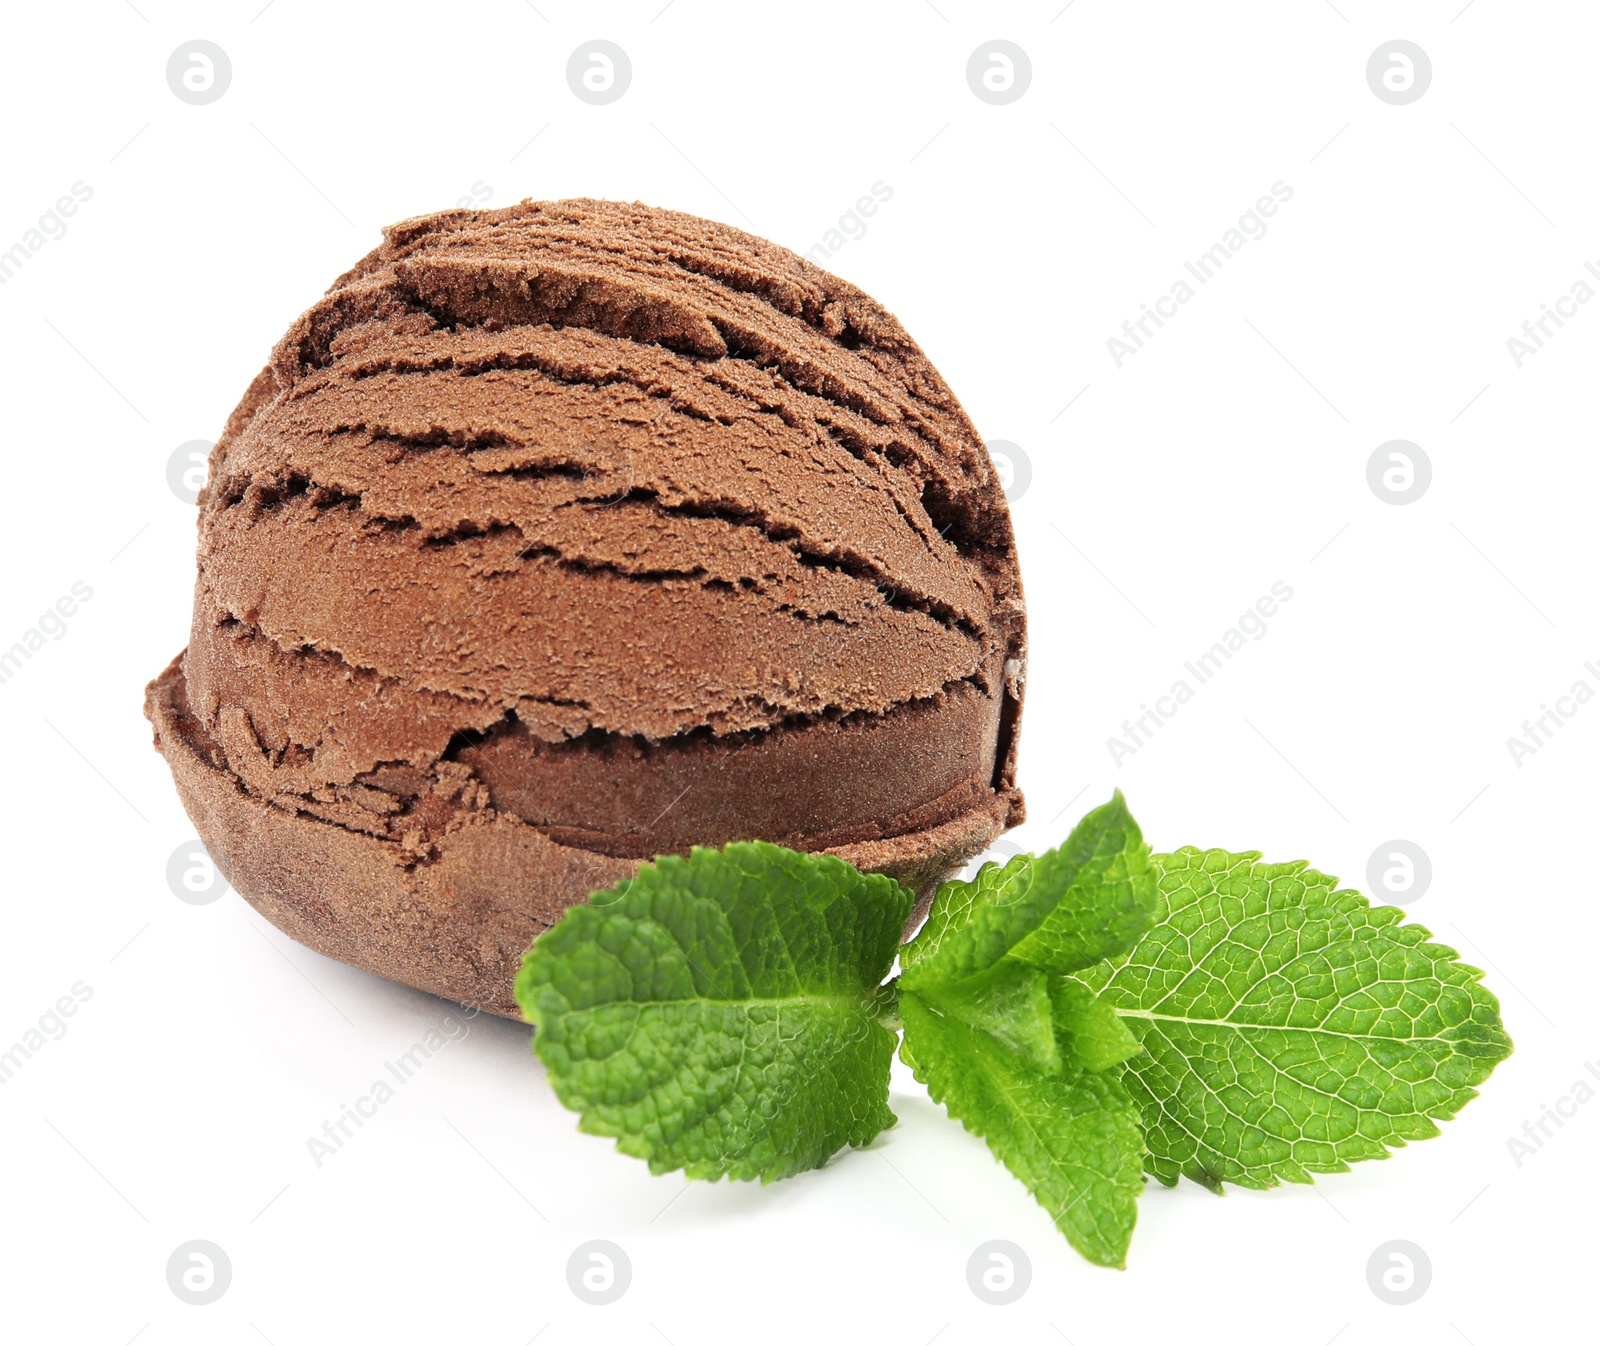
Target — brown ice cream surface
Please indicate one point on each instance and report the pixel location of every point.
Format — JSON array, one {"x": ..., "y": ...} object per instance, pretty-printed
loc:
[{"x": 560, "y": 536}]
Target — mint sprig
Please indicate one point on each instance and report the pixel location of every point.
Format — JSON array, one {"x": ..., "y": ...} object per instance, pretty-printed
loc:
[{"x": 1095, "y": 1013}]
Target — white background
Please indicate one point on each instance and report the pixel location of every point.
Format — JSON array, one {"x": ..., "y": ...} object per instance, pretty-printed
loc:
[{"x": 1166, "y": 496}]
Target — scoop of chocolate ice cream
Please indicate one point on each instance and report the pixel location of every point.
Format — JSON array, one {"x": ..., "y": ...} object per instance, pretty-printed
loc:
[{"x": 560, "y": 536}]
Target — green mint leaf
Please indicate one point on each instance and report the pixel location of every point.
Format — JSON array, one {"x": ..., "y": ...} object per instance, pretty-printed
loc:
[
  {"x": 1090, "y": 898},
  {"x": 1290, "y": 1029},
  {"x": 718, "y": 1013},
  {"x": 1011, "y": 1003},
  {"x": 1073, "y": 1139},
  {"x": 1090, "y": 1031}
]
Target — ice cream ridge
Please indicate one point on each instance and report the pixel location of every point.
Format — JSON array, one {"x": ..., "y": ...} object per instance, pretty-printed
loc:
[{"x": 557, "y": 537}]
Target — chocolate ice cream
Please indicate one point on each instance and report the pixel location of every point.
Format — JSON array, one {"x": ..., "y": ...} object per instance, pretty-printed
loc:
[{"x": 559, "y": 536}]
